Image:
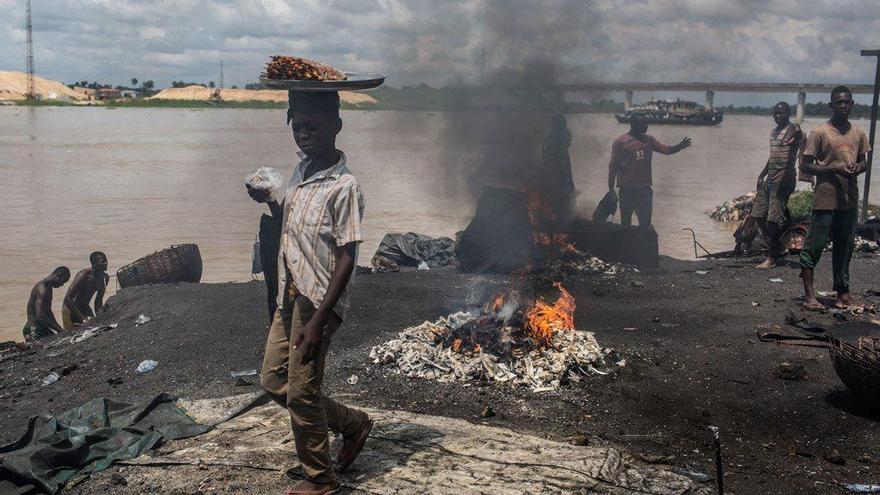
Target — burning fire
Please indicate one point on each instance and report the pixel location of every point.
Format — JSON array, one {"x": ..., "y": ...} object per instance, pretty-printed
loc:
[
  {"x": 544, "y": 320},
  {"x": 539, "y": 209},
  {"x": 560, "y": 240}
]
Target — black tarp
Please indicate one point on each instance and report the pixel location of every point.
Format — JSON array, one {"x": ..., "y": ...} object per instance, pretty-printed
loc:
[
  {"x": 411, "y": 249},
  {"x": 607, "y": 207},
  {"x": 88, "y": 439}
]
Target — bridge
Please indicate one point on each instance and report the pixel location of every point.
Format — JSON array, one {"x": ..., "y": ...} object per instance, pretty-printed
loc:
[{"x": 711, "y": 87}]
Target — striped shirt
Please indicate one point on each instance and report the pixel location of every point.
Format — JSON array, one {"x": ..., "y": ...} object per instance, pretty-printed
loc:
[
  {"x": 321, "y": 213},
  {"x": 785, "y": 144}
]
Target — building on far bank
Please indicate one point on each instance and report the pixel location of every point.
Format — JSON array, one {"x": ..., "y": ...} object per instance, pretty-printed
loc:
[
  {"x": 107, "y": 94},
  {"x": 130, "y": 93}
]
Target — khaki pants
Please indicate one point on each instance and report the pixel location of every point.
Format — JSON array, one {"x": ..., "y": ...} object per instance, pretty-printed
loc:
[{"x": 297, "y": 387}]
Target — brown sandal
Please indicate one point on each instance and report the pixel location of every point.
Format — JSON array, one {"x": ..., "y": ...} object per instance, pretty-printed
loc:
[{"x": 352, "y": 447}]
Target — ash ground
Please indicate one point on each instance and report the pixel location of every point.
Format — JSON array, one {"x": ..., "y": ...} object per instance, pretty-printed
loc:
[{"x": 688, "y": 340}]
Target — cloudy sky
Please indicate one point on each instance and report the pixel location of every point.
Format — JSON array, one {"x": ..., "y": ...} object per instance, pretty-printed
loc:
[{"x": 441, "y": 41}]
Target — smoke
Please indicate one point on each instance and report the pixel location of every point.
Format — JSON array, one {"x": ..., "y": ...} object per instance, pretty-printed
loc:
[{"x": 493, "y": 135}]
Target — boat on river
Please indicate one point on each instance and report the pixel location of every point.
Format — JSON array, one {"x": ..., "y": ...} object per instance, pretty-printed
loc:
[{"x": 677, "y": 111}]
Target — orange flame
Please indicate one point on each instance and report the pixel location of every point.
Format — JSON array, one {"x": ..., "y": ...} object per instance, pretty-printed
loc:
[
  {"x": 539, "y": 209},
  {"x": 561, "y": 240},
  {"x": 495, "y": 305},
  {"x": 544, "y": 320}
]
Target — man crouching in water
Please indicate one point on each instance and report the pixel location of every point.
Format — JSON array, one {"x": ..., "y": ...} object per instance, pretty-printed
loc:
[
  {"x": 87, "y": 283},
  {"x": 321, "y": 228},
  {"x": 41, "y": 321}
]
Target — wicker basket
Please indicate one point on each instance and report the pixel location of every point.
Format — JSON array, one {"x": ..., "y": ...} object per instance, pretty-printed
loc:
[
  {"x": 858, "y": 365},
  {"x": 179, "y": 263}
]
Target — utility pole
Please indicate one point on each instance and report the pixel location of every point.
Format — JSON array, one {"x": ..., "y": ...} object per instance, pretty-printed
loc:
[
  {"x": 871, "y": 53},
  {"x": 221, "y": 73},
  {"x": 31, "y": 91}
]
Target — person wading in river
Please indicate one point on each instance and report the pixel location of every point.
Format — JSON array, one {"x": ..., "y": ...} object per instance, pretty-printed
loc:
[
  {"x": 41, "y": 321},
  {"x": 777, "y": 181},
  {"x": 835, "y": 154},
  {"x": 630, "y": 166},
  {"x": 87, "y": 283},
  {"x": 321, "y": 229}
]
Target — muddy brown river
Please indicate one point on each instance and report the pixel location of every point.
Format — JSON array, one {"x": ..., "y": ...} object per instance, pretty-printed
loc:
[{"x": 131, "y": 181}]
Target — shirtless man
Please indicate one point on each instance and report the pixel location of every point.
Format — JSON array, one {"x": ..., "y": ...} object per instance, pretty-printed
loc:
[
  {"x": 87, "y": 283},
  {"x": 41, "y": 322}
]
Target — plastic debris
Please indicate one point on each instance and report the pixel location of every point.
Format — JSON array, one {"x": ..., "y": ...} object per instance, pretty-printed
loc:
[
  {"x": 142, "y": 319},
  {"x": 266, "y": 178},
  {"x": 352, "y": 380},
  {"x": 694, "y": 475},
  {"x": 860, "y": 488},
  {"x": 51, "y": 378},
  {"x": 237, "y": 374},
  {"x": 776, "y": 280},
  {"x": 147, "y": 366},
  {"x": 424, "y": 266},
  {"x": 701, "y": 272},
  {"x": 87, "y": 334}
]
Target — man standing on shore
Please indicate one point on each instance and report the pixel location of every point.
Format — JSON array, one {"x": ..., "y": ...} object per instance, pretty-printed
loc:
[
  {"x": 630, "y": 166},
  {"x": 41, "y": 321},
  {"x": 777, "y": 181},
  {"x": 87, "y": 283},
  {"x": 835, "y": 154},
  {"x": 321, "y": 228}
]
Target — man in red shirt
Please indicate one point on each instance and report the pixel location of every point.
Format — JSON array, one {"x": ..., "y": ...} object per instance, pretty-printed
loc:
[{"x": 630, "y": 166}]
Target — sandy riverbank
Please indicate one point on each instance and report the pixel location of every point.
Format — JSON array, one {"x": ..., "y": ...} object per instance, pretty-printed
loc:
[{"x": 688, "y": 339}]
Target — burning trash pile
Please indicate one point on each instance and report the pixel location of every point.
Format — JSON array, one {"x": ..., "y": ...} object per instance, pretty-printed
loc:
[
  {"x": 534, "y": 345},
  {"x": 558, "y": 257},
  {"x": 734, "y": 210}
]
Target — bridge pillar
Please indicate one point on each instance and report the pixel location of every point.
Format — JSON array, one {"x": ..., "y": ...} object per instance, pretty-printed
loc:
[
  {"x": 710, "y": 99},
  {"x": 802, "y": 100},
  {"x": 627, "y": 100}
]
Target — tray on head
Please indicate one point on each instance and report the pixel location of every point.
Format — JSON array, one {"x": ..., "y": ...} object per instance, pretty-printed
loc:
[{"x": 355, "y": 81}]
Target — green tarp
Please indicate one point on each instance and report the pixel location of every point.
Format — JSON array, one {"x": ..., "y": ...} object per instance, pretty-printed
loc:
[{"x": 87, "y": 439}]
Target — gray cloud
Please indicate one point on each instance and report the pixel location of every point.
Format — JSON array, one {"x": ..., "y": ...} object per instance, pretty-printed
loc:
[{"x": 418, "y": 41}]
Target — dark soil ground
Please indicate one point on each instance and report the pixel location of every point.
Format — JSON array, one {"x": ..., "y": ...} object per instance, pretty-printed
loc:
[{"x": 692, "y": 360}]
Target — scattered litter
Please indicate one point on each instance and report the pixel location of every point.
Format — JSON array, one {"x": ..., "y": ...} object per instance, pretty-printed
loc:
[
  {"x": 735, "y": 210},
  {"x": 423, "y": 266},
  {"x": 789, "y": 371},
  {"x": 87, "y": 334},
  {"x": 352, "y": 380},
  {"x": 755, "y": 304},
  {"x": 142, "y": 319},
  {"x": 694, "y": 475},
  {"x": 823, "y": 293},
  {"x": 51, "y": 378},
  {"x": 701, "y": 272},
  {"x": 487, "y": 411},
  {"x": 776, "y": 280},
  {"x": 147, "y": 366},
  {"x": 859, "y": 488},
  {"x": 237, "y": 374},
  {"x": 630, "y": 329}
]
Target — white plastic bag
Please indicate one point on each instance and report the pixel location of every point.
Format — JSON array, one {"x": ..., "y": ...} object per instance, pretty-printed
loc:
[{"x": 266, "y": 178}]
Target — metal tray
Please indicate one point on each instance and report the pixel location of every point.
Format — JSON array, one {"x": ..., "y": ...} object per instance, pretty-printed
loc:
[{"x": 355, "y": 81}]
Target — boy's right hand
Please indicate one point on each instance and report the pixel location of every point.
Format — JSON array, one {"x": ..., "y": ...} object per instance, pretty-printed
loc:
[{"x": 258, "y": 195}]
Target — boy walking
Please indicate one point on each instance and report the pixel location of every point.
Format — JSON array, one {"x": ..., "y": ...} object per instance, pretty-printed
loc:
[
  {"x": 835, "y": 154},
  {"x": 320, "y": 231}
]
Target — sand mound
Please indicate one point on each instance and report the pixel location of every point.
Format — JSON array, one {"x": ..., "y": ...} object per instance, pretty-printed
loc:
[
  {"x": 13, "y": 86},
  {"x": 202, "y": 93}
]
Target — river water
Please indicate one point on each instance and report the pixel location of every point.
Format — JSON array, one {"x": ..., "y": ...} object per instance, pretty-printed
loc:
[{"x": 132, "y": 181}]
